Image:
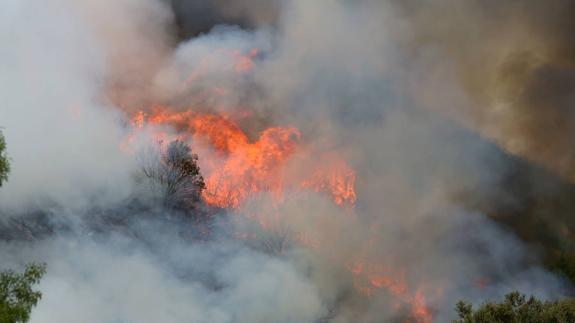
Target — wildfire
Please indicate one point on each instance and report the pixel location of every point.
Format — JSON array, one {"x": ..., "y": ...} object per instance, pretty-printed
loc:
[
  {"x": 338, "y": 180},
  {"x": 241, "y": 168},
  {"x": 244, "y": 63},
  {"x": 370, "y": 277},
  {"x": 237, "y": 167}
]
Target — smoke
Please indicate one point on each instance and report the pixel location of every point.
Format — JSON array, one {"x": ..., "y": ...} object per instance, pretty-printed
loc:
[
  {"x": 67, "y": 67},
  {"x": 423, "y": 105},
  {"x": 117, "y": 279},
  {"x": 514, "y": 62},
  {"x": 196, "y": 17}
]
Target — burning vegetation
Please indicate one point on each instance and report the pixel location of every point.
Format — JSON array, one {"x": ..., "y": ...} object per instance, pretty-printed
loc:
[
  {"x": 276, "y": 162},
  {"x": 288, "y": 161},
  {"x": 236, "y": 169}
]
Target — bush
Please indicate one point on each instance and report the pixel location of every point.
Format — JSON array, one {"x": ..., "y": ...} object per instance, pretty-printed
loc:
[{"x": 516, "y": 308}]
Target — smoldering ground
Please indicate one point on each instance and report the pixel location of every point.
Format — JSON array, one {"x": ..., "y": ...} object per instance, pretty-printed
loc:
[{"x": 410, "y": 93}]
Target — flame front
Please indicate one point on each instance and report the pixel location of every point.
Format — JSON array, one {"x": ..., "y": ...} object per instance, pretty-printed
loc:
[{"x": 241, "y": 168}]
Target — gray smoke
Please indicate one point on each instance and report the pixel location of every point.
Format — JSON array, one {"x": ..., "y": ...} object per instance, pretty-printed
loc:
[
  {"x": 398, "y": 89},
  {"x": 200, "y": 16},
  {"x": 513, "y": 60},
  {"x": 169, "y": 280}
]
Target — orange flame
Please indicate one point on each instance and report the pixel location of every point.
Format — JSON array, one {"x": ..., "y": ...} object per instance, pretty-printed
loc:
[
  {"x": 369, "y": 277},
  {"x": 241, "y": 168},
  {"x": 245, "y": 168},
  {"x": 338, "y": 180},
  {"x": 244, "y": 63}
]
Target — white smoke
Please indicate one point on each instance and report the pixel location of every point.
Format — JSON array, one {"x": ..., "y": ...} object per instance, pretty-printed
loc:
[
  {"x": 338, "y": 70},
  {"x": 119, "y": 281}
]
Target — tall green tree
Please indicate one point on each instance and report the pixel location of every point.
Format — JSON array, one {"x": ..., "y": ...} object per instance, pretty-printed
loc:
[
  {"x": 4, "y": 163},
  {"x": 17, "y": 296}
]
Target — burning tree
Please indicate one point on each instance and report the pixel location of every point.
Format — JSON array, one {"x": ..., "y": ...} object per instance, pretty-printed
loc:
[
  {"x": 177, "y": 173},
  {"x": 240, "y": 168},
  {"x": 4, "y": 164}
]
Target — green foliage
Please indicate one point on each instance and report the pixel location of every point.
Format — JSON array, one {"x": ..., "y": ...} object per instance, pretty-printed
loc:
[
  {"x": 4, "y": 163},
  {"x": 516, "y": 308},
  {"x": 17, "y": 298}
]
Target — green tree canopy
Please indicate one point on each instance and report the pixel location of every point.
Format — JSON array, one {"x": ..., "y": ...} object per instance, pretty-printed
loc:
[
  {"x": 516, "y": 308},
  {"x": 17, "y": 296}
]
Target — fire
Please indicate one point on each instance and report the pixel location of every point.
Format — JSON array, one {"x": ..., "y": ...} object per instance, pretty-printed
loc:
[
  {"x": 223, "y": 135},
  {"x": 138, "y": 120},
  {"x": 251, "y": 167},
  {"x": 241, "y": 168},
  {"x": 370, "y": 277},
  {"x": 236, "y": 167},
  {"x": 245, "y": 63},
  {"x": 338, "y": 180},
  {"x": 233, "y": 60}
]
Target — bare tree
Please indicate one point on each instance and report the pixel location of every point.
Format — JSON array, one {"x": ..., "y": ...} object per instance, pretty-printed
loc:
[
  {"x": 275, "y": 242},
  {"x": 177, "y": 173}
]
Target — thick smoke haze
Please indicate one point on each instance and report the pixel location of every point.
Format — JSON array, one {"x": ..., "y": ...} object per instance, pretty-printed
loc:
[
  {"x": 425, "y": 100},
  {"x": 52, "y": 70},
  {"x": 118, "y": 280},
  {"x": 200, "y": 16},
  {"x": 514, "y": 62}
]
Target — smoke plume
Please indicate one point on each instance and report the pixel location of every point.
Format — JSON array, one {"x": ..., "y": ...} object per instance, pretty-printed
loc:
[{"x": 377, "y": 138}]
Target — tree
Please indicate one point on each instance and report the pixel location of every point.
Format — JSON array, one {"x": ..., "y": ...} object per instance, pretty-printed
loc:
[
  {"x": 516, "y": 308},
  {"x": 4, "y": 163},
  {"x": 17, "y": 298},
  {"x": 177, "y": 172}
]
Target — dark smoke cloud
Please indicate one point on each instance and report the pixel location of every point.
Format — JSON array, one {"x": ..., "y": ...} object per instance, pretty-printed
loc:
[
  {"x": 515, "y": 60},
  {"x": 506, "y": 69},
  {"x": 194, "y": 17}
]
